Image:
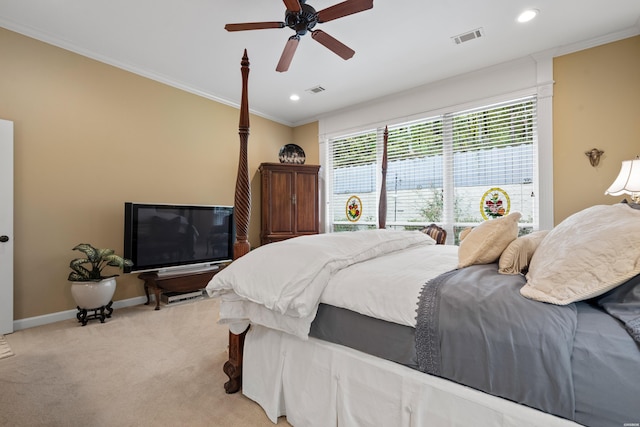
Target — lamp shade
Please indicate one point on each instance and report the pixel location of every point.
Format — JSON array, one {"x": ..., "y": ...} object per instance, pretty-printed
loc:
[{"x": 628, "y": 180}]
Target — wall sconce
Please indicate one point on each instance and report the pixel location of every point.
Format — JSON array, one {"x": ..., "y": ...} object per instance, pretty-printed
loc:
[
  {"x": 628, "y": 181},
  {"x": 594, "y": 156}
]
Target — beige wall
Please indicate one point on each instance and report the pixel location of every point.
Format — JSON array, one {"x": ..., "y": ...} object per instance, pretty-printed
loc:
[
  {"x": 306, "y": 136},
  {"x": 596, "y": 104},
  {"x": 89, "y": 137}
]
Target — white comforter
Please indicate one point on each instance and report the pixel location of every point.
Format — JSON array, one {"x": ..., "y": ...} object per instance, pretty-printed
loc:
[
  {"x": 388, "y": 287},
  {"x": 280, "y": 285}
]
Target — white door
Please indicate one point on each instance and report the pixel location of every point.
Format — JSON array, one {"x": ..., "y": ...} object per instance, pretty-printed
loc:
[{"x": 6, "y": 226}]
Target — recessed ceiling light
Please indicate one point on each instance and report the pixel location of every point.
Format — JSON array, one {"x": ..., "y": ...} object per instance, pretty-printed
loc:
[
  {"x": 294, "y": 97},
  {"x": 528, "y": 15}
]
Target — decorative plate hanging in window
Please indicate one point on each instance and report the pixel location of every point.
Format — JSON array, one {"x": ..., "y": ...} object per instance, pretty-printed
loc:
[
  {"x": 354, "y": 208},
  {"x": 495, "y": 203}
]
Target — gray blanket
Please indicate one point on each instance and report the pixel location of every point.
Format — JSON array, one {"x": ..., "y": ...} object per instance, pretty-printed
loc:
[{"x": 474, "y": 327}]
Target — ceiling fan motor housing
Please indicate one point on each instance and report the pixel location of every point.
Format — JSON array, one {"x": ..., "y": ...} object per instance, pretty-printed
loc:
[{"x": 302, "y": 21}]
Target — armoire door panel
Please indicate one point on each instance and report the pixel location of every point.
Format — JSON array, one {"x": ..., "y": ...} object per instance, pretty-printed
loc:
[
  {"x": 281, "y": 196},
  {"x": 307, "y": 201}
]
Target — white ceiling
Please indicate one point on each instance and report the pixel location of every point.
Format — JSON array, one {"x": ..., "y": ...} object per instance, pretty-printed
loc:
[{"x": 399, "y": 44}]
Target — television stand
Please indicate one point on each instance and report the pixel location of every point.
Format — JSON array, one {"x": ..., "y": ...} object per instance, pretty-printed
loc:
[{"x": 180, "y": 282}]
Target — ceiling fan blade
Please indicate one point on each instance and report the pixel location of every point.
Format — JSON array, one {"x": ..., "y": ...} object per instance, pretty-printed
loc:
[
  {"x": 293, "y": 5},
  {"x": 254, "y": 26},
  {"x": 345, "y": 8},
  {"x": 334, "y": 45},
  {"x": 287, "y": 54}
]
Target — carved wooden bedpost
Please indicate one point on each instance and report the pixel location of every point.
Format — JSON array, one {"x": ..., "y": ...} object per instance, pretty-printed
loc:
[
  {"x": 242, "y": 212},
  {"x": 242, "y": 201},
  {"x": 382, "y": 206}
]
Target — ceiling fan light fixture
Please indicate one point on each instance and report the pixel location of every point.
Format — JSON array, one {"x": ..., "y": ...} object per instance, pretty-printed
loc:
[{"x": 528, "y": 15}]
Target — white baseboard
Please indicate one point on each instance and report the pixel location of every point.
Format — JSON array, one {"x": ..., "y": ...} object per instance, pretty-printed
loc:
[{"x": 45, "y": 319}]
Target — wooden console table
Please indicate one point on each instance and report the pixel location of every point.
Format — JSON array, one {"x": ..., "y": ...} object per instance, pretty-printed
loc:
[{"x": 186, "y": 282}]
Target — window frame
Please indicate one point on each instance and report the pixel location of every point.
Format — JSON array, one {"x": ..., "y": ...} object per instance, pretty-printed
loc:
[{"x": 444, "y": 114}]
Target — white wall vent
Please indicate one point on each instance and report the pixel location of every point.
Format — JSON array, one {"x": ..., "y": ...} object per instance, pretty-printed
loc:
[
  {"x": 470, "y": 35},
  {"x": 316, "y": 89}
]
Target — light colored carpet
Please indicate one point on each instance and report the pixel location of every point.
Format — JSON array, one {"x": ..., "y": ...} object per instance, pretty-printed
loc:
[
  {"x": 5, "y": 348},
  {"x": 139, "y": 368}
]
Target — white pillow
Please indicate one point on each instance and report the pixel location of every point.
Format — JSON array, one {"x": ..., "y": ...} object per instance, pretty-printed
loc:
[
  {"x": 516, "y": 257},
  {"x": 586, "y": 255},
  {"x": 484, "y": 243}
]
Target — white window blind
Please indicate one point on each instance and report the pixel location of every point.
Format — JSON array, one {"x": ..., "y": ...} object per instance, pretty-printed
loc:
[
  {"x": 354, "y": 165},
  {"x": 414, "y": 172},
  {"x": 493, "y": 147},
  {"x": 441, "y": 169}
]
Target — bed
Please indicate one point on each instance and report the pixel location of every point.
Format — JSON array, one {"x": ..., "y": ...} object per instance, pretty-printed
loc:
[{"x": 385, "y": 327}]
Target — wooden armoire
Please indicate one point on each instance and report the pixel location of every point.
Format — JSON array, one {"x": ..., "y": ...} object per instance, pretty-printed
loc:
[{"x": 289, "y": 201}]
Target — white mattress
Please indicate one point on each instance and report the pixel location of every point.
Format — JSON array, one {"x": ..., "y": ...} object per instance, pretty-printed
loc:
[{"x": 315, "y": 383}]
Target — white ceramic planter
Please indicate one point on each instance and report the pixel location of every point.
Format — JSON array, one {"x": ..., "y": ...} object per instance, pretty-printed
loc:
[{"x": 92, "y": 295}]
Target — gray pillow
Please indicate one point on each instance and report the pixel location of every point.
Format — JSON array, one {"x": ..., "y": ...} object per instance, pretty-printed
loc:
[{"x": 623, "y": 303}]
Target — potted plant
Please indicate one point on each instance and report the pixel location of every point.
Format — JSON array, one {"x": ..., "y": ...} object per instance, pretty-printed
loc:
[{"x": 90, "y": 288}]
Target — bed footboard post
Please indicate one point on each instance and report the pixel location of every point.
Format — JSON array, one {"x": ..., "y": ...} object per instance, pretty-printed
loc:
[
  {"x": 233, "y": 366},
  {"x": 242, "y": 212},
  {"x": 242, "y": 199},
  {"x": 382, "y": 205}
]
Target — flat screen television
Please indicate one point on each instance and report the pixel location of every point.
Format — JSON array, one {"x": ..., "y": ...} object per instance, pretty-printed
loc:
[{"x": 164, "y": 237}]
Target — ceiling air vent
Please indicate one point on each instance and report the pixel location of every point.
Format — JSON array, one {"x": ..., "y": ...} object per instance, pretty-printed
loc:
[
  {"x": 470, "y": 35},
  {"x": 316, "y": 89}
]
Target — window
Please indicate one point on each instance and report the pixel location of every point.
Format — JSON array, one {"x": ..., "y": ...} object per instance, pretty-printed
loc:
[
  {"x": 354, "y": 171},
  {"x": 456, "y": 169}
]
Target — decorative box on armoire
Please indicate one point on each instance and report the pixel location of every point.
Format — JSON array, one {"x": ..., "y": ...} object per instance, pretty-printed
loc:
[{"x": 289, "y": 201}]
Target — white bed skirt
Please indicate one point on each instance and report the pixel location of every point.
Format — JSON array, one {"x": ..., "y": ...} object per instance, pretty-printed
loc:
[{"x": 316, "y": 383}]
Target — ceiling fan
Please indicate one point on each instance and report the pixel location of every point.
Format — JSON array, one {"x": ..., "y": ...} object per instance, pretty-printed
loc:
[{"x": 302, "y": 18}]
